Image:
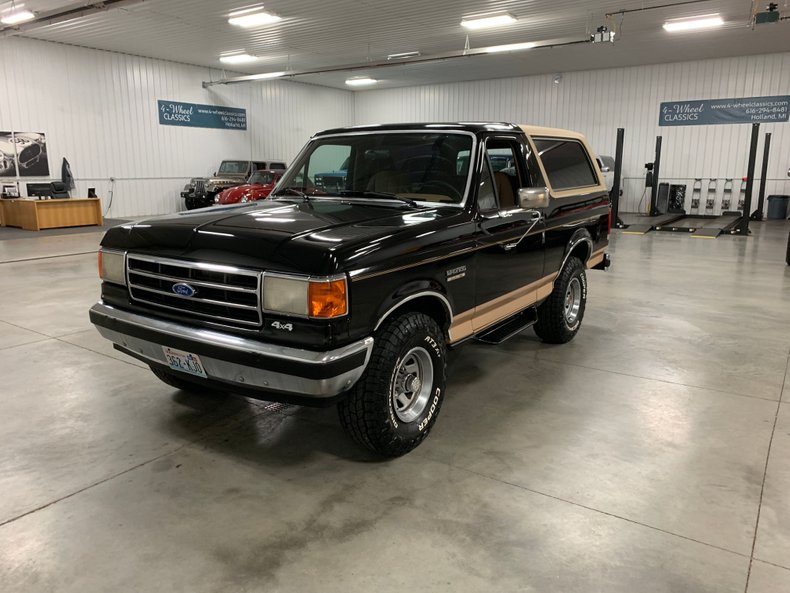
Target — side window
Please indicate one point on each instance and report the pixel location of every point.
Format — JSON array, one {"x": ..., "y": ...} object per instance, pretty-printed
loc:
[
  {"x": 278, "y": 166},
  {"x": 486, "y": 200},
  {"x": 504, "y": 156},
  {"x": 257, "y": 166},
  {"x": 566, "y": 163}
]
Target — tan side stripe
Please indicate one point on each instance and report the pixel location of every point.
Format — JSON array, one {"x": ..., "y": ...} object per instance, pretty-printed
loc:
[{"x": 495, "y": 310}]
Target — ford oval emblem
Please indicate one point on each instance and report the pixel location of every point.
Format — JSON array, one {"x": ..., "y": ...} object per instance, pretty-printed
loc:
[{"x": 184, "y": 289}]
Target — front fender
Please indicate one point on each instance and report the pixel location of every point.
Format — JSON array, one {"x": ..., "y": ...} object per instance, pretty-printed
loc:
[{"x": 427, "y": 288}]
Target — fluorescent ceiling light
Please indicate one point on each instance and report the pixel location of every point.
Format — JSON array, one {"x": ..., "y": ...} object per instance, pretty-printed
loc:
[
  {"x": 509, "y": 47},
  {"x": 15, "y": 18},
  {"x": 361, "y": 81},
  {"x": 253, "y": 17},
  {"x": 488, "y": 22},
  {"x": 707, "y": 21},
  {"x": 403, "y": 55},
  {"x": 237, "y": 58}
]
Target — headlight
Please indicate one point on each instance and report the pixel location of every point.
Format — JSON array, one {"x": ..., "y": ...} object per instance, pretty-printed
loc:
[
  {"x": 306, "y": 297},
  {"x": 216, "y": 199},
  {"x": 244, "y": 199},
  {"x": 112, "y": 266}
]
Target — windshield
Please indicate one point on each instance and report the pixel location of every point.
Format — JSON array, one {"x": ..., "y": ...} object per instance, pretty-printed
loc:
[
  {"x": 260, "y": 178},
  {"x": 418, "y": 166},
  {"x": 233, "y": 167}
]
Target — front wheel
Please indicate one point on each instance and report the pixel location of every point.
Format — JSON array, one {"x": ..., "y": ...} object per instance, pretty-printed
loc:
[
  {"x": 394, "y": 405},
  {"x": 560, "y": 316},
  {"x": 175, "y": 380}
]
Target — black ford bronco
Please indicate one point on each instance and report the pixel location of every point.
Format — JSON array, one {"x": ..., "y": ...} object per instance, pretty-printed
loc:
[{"x": 352, "y": 295}]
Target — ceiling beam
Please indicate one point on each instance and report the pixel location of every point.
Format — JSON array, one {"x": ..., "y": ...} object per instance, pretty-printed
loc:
[
  {"x": 368, "y": 66},
  {"x": 60, "y": 15}
]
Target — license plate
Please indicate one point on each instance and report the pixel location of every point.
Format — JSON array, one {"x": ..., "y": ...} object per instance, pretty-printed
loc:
[{"x": 186, "y": 362}]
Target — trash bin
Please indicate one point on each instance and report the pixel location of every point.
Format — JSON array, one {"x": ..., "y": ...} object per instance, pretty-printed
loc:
[{"x": 777, "y": 207}]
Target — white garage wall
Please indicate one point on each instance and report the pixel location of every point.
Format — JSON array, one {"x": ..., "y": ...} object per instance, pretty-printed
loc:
[
  {"x": 99, "y": 110},
  {"x": 599, "y": 102}
]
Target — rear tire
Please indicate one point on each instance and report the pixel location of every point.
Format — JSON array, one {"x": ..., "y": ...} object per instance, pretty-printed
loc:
[
  {"x": 560, "y": 316},
  {"x": 395, "y": 403}
]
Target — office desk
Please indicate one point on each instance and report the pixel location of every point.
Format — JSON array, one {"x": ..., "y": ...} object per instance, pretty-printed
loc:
[{"x": 34, "y": 215}]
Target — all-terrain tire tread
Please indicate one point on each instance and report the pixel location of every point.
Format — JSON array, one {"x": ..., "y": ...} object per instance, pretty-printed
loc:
[
  {"x": 361, "y": 413},
  {"x": 551, "y": 326}
]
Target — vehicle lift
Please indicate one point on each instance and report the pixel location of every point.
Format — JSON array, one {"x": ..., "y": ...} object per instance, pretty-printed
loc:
[{"x": 700, "y": 222}]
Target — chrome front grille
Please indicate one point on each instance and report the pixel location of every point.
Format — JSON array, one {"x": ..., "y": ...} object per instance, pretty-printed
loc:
[{"x": 223, "y": 294}]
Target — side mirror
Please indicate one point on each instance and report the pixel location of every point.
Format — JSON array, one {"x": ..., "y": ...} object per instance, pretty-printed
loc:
[
  {"x": 605, "y": 169},
  {"x": 532, "y": 198}
]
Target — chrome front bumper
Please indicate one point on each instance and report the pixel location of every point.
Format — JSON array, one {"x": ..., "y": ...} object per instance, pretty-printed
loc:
[{"x": 231, "y": 359}]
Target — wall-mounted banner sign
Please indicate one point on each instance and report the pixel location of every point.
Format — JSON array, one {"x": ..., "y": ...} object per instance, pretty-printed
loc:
[
  {"x": 752, "y": 110},
  {"x": 176, "y": 113}
]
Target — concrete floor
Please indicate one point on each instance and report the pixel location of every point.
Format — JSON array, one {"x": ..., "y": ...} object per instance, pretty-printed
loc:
[{"x": 650, "y": 454}]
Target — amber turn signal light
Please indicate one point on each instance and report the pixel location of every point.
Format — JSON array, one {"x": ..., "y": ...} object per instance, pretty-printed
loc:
[{"x": 328, "y": 299}]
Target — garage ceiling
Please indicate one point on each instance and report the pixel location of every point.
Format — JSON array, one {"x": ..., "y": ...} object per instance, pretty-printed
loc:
[{"x": 318, "y": 34}]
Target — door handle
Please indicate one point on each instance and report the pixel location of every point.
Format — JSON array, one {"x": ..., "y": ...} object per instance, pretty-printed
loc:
[{"x": 536, "y": 218}]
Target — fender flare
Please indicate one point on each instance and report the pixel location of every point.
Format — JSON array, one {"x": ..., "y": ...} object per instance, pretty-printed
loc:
[
  {"x": 579, "y": 237},
  {"x": 425, "y": 290}
]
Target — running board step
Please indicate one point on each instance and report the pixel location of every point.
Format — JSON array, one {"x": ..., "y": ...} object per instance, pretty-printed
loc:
[{"x": 508, "y": 328}]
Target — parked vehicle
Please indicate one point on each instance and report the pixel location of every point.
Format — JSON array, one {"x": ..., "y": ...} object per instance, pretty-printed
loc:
[
  {"x": 231, "y": 173},
  {"x": 353, "y": 296},
  {"x": 606, "y": 165},
  {"x": 330, "y": 181},
  {"x": 258, "y": 186},
  {"x": 194, "y": 193}
]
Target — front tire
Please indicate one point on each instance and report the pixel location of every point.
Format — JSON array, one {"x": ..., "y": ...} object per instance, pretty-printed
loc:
[
  {"x": 395, "y": 403},
  {"x": 560, "y": 316},
  {"x": 174, "y": 380}
]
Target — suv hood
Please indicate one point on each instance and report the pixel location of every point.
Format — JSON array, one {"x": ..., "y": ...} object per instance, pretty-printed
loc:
[
  {"x": 305, "y": 237},
  {"x": 220, "y": 179}
]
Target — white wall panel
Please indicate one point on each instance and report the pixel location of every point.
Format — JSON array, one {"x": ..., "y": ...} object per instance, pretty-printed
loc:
[
  {"x": 598, "y": 102},
  {"x": 99, "y": 110}
]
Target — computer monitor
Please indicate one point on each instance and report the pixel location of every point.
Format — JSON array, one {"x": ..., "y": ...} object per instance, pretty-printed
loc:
[{"x": 42, "y": 190}]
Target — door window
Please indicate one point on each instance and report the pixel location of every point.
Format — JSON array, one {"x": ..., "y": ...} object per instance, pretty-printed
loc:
[{"x": 503, "y": 156}]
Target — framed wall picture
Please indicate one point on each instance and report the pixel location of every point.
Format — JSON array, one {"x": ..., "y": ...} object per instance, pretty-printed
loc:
[{"x": 23, "y": 154}]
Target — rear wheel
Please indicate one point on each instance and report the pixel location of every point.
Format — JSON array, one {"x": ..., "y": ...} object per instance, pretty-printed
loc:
[
  {"x": 560, "y": 316},
  {"x": 394, "y": 405}
]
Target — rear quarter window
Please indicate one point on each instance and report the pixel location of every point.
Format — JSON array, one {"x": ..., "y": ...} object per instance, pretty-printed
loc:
[{"x": 566, "y": 163}]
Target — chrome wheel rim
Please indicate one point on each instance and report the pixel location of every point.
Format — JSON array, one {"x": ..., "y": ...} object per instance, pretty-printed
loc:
[
  {"x": 411, "y": 389},
  {"x": 573, "y": 301}
]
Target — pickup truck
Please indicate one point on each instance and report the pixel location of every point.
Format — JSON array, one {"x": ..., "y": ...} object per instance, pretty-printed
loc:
[{"x": 354, "y": 296}]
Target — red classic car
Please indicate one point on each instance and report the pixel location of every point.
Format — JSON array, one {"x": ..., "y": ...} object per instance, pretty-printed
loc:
[{"x": 258, "y": 186}]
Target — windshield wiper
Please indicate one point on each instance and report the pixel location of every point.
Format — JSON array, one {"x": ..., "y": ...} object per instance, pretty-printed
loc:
[
  {"x": 293, "y": 191},
  {"x": 378, "y": 194}
]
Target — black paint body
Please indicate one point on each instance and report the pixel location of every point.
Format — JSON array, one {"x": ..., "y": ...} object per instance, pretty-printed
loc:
[{"x": 388, "y": 250}]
